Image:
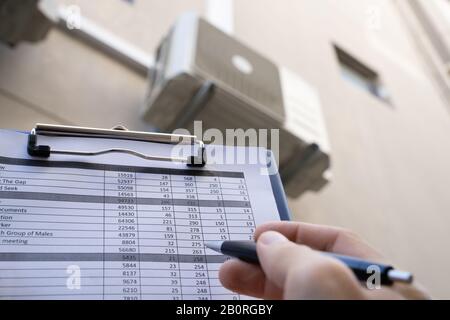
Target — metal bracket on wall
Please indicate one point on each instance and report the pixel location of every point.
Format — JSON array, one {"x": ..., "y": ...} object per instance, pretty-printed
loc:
[{"x": 75, "y": 24}]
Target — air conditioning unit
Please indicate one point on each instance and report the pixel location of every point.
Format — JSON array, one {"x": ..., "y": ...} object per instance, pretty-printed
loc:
[{"x": 204, "y": 74}]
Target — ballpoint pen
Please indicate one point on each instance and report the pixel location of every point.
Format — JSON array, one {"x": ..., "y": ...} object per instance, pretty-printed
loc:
[{"x": 246, "y": 251}]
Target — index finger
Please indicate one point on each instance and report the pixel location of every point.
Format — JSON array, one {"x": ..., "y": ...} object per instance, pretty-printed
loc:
[{"x": 322, "y": 238}]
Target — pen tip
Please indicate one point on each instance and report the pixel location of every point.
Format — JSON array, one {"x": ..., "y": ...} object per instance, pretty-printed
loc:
[{"x": 214, "y": 245}]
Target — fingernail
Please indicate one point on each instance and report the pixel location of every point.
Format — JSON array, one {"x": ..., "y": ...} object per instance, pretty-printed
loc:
[{"x": 271, "y": 237}]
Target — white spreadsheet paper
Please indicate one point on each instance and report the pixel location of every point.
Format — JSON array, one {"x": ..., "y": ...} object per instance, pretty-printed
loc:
[{"x": 117, "y": 226}]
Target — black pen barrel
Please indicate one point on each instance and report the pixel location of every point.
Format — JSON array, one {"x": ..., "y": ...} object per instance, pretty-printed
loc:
[
  {"x": 243, "y": 250},
  {"x": 363, "y": 269}
]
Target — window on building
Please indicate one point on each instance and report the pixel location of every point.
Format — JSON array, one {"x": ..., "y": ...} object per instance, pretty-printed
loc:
[{"x": 360, "y": 75}]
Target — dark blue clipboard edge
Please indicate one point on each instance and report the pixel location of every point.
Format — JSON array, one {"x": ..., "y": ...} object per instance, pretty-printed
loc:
[{"x": 277, "y": 188}]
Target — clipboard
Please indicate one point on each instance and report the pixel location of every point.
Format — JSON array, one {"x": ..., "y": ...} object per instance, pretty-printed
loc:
[
  {"x": 128, "y": 209},
  {"x": 198, "y": 158}
]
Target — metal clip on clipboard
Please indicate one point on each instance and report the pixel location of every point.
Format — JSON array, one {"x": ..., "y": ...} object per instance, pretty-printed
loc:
[{"x": 119, "y": 132}]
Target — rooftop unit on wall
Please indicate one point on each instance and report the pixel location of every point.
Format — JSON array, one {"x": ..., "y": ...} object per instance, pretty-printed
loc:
[{"x": 238, "y": 88}]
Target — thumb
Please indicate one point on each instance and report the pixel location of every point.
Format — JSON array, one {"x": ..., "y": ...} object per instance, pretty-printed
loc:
[
  {"x": 278, "y": 256},
  {"x": 303, "y": 273}
]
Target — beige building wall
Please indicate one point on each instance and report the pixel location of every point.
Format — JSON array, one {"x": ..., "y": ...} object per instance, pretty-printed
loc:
[{"x": 390, "y": 161}]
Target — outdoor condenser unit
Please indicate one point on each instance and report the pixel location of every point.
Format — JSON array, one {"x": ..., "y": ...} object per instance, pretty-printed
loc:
[{"x": 202, "y": 73}]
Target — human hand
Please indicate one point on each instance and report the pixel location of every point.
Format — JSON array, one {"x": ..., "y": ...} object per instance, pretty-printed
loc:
[{"x": 291, "y": 266}]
